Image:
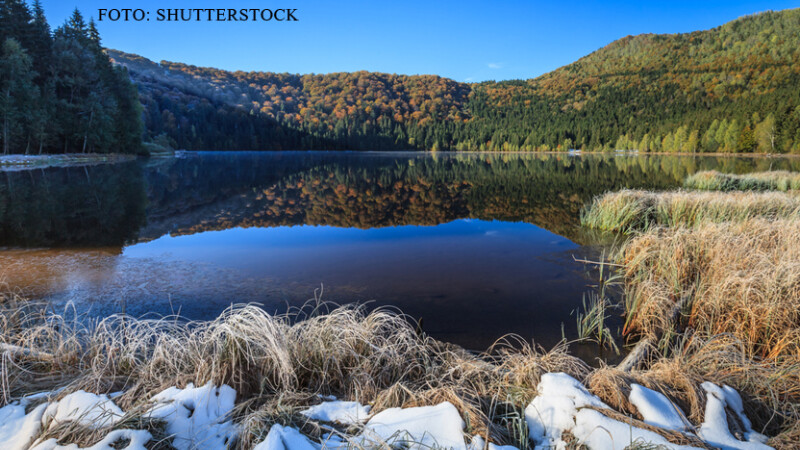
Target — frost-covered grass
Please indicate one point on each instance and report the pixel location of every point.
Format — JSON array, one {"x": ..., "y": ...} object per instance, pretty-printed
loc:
[
  {"x": 778, "y": 180},
  {"x": 252, "y": 380},
  {"x": 563, "y": 414},
  {"x": 277, "y": 365},
  {"x": 628, "y": 211},
  {"x": 738, "y": 285},
  {"x": 740, "y": 279}
]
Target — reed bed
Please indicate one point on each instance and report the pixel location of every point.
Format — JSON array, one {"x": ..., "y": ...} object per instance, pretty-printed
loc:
[
  {"x": 739, "y": 282},
  {"x": 740, "y": 278},
  {"x": 777, "y": 180},
  {"x": 628, "y": 211},
  {"x": 278, "y": 365}
]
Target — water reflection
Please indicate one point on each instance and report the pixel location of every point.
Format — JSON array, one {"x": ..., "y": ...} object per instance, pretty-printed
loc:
[{"x": 475, "y": 245}]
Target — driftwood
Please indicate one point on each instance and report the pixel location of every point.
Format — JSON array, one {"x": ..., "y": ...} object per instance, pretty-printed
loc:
[{"x": 643, "y": 347}]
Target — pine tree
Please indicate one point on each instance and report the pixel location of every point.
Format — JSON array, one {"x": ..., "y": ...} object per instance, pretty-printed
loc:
[{"x": 17, "y": 93}]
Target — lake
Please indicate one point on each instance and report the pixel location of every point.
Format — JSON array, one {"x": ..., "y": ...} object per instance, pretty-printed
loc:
[{"x": 474, "y": 246}]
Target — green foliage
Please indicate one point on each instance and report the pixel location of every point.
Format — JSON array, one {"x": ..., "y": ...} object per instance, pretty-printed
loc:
[
  {"x": 778, "y": 180},
  {"x": 694, "y": 92},
  {"x": 67, "y": 95}
]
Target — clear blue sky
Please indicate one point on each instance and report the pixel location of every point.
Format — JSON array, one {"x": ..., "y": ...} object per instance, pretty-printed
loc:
[{"x": 467, "y": 40}]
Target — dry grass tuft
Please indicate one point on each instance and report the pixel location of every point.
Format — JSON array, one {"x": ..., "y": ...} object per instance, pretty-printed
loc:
[
  {"x": 741, "y": 279},
  {"x": 741, "y": 326}
]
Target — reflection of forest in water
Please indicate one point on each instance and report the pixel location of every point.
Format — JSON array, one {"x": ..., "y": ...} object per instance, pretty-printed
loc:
[{"x": 111, "y": 205}]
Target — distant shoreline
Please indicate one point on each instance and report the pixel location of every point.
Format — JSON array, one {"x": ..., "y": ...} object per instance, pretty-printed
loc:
[{"x": 10, "y": 163}]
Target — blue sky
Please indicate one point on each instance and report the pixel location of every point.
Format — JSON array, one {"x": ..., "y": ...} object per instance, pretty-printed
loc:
[{"x": 466, "y": 40}]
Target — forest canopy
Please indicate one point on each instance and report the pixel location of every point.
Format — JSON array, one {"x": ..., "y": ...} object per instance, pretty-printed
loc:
[
  {"x": 730, "y": 89},
  {"x": 59, "y": 91}
]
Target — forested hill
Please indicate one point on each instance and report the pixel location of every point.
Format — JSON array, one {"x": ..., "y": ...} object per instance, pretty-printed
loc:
[
  {"x": 203, "y": 108},
  {"x": 733, "y": 88}
]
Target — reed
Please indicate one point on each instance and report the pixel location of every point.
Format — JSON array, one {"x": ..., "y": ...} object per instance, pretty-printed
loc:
[
  {"x": 740, "y": 284},
  {"x": 629, "y": 211},
  {"x": 778, "y": 180}
]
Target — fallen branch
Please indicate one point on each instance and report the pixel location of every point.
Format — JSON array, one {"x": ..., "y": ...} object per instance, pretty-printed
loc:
[
  {"x": 643, "y": 347},
  {"x": 21, "y": 351}
]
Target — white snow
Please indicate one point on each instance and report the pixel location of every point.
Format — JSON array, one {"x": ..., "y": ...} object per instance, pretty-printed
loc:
[
  {"x": 347, "y": 413},
  {"x": 478, "y": 443},
  {"x": 285, "y": 438},
  {"x": 423, "y": 427},
  {"x": 656, "y": 409},
  {"x": 200, "y": 417},
  {"x": 197, "y": 417},
  {"x": 563, "y": 405},
  {"x": 714, "y": 429},
  {"x": 90, "y": 410},
  {"x": 17, "y": 429},
  {"x": 553, "y": 410},
  {"x": 136, "y": 440},
  {"x": 598, "y": 431}
]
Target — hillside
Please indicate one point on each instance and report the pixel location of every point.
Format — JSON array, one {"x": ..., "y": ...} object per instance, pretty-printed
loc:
[{"x": 729, "y": 89}]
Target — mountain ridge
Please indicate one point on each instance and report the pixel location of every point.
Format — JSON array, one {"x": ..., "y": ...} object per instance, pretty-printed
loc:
[{"x": 727, "y": 89}]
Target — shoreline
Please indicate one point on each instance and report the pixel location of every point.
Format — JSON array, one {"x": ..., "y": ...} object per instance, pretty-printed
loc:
[{"x": 16, "y": 162}]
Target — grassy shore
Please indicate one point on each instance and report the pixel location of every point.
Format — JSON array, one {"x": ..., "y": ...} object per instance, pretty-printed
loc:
[
  {"x": 25, "y": 162},
  {"x": 281, "y": 365},
  {"x": 737, "y": 280},
  {"x": 633, "y": 210},
  {"x": 278, "y": 365},
  {"x": 778, "y": 180},
  {"x": 729, "y": 264}
]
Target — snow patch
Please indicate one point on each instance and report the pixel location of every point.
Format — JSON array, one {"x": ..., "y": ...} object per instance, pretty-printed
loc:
[
  {"x": 347, "y": 413},
  {"x": 197, "y": 417},
  {"x": 598, "y": 431},
  {"x": 86, "y": 409},
  {"x": 553, "y": 410},
  {"x": 423, "y": 427},
  {"x": 715, "y": 430},
  {"x": 17, "y": 429},
  {"x": 285, "y": 438},
  {"x": 478, "y": 443},
  {"x": 135, "y": 438},
  {"x": 564, "y": 404},
  {"x": 656, "y": 409}
]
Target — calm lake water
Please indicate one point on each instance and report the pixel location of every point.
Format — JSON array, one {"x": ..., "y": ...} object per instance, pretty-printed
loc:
[{"x": 476, "y": 246}]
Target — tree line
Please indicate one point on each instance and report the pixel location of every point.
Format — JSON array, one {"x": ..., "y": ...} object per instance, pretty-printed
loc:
[
  {"x": 730, "y": 89},
  {"x": 59, "y": 92}
]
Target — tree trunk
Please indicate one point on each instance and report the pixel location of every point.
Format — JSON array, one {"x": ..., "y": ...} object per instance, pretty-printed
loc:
[{"x": 88, "y": 128}]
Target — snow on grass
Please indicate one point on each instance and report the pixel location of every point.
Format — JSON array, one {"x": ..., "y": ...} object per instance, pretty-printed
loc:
[
  {"x": 197, "y": 417},
  {"x": 656, "y": 409},
  {"x": 715, "y": 430},
  {"x": 135, "y": 441},
  {"x": 285, "y": 438},
  {"x": 347, "y": 413},
  {"x": 84, "y": 408},
  {"x": 18, "y": 429},
  {"x": 478, "y": 443},
  {"x": 200, "y": 417},
  {"x": 564, "y": 404},
  {"x": 597, "y": 431},
  {"x": 553, "y": 410},
  {"x": 422, "y": 427}
]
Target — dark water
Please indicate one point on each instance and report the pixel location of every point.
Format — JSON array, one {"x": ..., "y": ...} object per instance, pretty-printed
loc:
[{"x": 476, "y": 246}]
